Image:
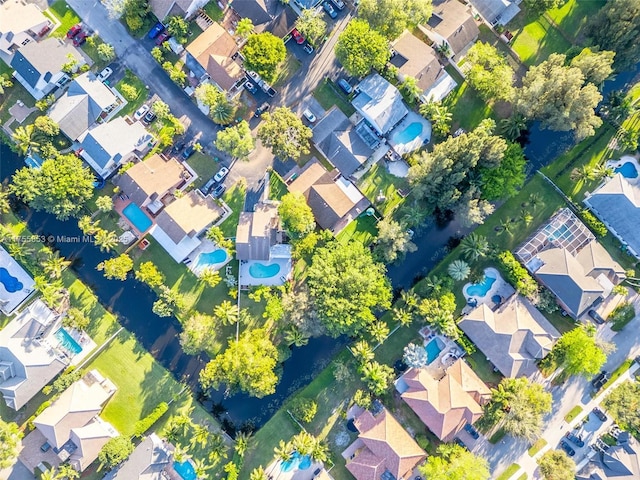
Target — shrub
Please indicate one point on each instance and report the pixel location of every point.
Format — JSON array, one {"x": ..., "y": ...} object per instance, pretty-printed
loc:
[
  {"x": 422, "y": 441},
  {"x": 46, "y": 404},
  {"x": 115, "y": 451},
  {"x": 593, "y": 223},
  {"x": 304, "y": 409},
  {"x": 147, "y": 422},
  {"x": 518, "y": 276},
  {"x": 467, "y": 344},
  {"x": 622, "y": 315},
  {"x": 129, "y": 91}
]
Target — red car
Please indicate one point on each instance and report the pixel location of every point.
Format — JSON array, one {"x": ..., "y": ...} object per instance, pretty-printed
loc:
[
  {"x": 73, "y": 31},
  {"x": 163, "y": 37},
  {"x": 298, "y": 36},
  {"x": 80, "y": 39}
]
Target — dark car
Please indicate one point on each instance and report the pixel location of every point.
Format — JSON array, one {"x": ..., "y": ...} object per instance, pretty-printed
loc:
[
  {"x": 297, "y": 36},
  {"x": 344, "y": 85},
  {"x": 564, "y": 445},
  {"x": 460, "y": 443},
  {"x": 163, "y": 37},
  {"x": 251, "y": 87},
  {"x": 573, "y": 438},
  {"x": 600, "y": 414},
  {"x": 596, "y": 317},
  {"x": 177, "y": 148},
  {"x": 339, "y": 4},
  {"x": 155, "y": 30},
  {"x": 220, "y": 189},
  {"x": 188, "y": 151},
  {"x": 80, "y": 38},
  {"x": 73, "y": 31},
  {"x": 329, "y": 9},
  {"x": 149, "y": 117},
  {"x": 600, "y": 380},
  {"x": 471, "y": 431},
  {"x": 261, "y": 109},
  {"x": 208, "y": 186},
  {"x": 637, "y": 359}
]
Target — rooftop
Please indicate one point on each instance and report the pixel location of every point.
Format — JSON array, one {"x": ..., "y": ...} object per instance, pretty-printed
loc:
[
  {"x": 453, "y": 21},
  {"x": 380, "y": 103},
  {"x": 43, "y": 59},
  {"x": 416, "y": 59},
  {"x": 257, "y": 232}
]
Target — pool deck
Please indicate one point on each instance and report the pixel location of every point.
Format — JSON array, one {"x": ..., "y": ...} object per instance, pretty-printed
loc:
[
  {"x": 447, "y": 356},
  {"x": 10, "y": 301},
  {"x": 119, "y": 205},
  {"x": 205, "y": 247},
  {"x": 84, "y": 340},
  {"x": 499, "y": 287},
  {"x": 626, "y": 159},
  {"x": 423, "y": 138}
]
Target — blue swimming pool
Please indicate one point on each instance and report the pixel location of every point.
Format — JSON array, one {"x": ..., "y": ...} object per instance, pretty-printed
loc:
[
  {"x": 67, "y": 342},
  {"x": 185, "y": 470},
  {"x": 137, "y": 217},
  {"x": 259, "y": 270},
  {"x": 210, "y": 258},
  {"x": 11, "y": 284},
  {"x": 433, "y": 348},
  {"x": 628, "y": 170},
  {"x": 296, "y": 462},
  {"x": 409, "y": 134},
  {"x": 481, "y": 289}
]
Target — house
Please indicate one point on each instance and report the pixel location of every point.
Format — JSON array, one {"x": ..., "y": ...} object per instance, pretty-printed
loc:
[
  {"x": 179, "y": 225},
  {"x": 383, "y": 449},
  {"x": 380, "y": 103},
  {"x": 617, "y": 204},
  {"x": 334, "y": 200},
  {"x": 27, "y": 362},
  {"x": 445, "y": 405},
  {"x": 282, "y": 25},
  {"x": 565, "y": 257},
  {"x": 181, "y": 8},
  {"x": 496, "y": 12},
  {"x": 513, "y": 337},
  {"x": 414, "y": 58},
  {"x": 38, "y": 66},
  {"x": 336, "y": 138},
  {"x": 20, "y": 23},
  {"x": 108, "y": 145},
  {"x": 305, "y": 4},
  {"x": 86, "y": 101},
  {"x": 451, "y": 25},
  {"x": 211, "y": 56},
  {"x": 258, "y": 232},
  {"x": 620, "y": 461},
  {"x": 147, "y": 462},
  {"x": 147, "y": 182},
  {"x": 255, "y": 10},
  {"x": 71, "y": 424}
]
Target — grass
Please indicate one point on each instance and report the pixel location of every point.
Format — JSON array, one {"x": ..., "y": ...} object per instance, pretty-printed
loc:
[
  {"x": 573, "y": 413},
  {"x": 205, "y": 167},
  {"x": 508, "y": 473},
  {"x": 277, "y": 187},
  {"x": 378, "y": 180},
  {"x": 65, "y": 15},
  {"x": 286, "y": 70},
  {"x": 213, "y": 10},
  {"x": 524, "y": 476},
  {"x": 497, "y": 436},
  {"x": 621, "y": 315},
  {"x": 362, "y": 229},
  {"x": 467, "y": 108},
  {"x": 483, "y": 368},
  {"x": 536, "y": 447},
  {"x": 131, "y": 79},
  {"x": 573, "y": 16},
  {"x": 626, "y": 365},
  {"x": 535, "y": 38},
  {"x": 328, "y": 95},
  {"x": 234, "y": 197},
  {"x": 12, "y": 95},
  {"x": 90, "y": 47}
]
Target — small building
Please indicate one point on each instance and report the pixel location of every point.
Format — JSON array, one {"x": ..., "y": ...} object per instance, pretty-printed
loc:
[
  {"x": 181, "y": 8},
  {"x": 21, "y": 23},
  {"x": 451, "y": 24},
  {"x": 414, "y": 58},
  {"x": 380, "y": 103},
  {"x": 620, "y": 461},
  {"x": 334, "y": 200},
  {"x": 282, "y": 25},
  {"x": 147, "y": 462},
  {"x": 86, "y": 102},
  {"x": 179, "y": 226},
  {"x": 445, "y": 405},
  {"x": 108, "y": 145},
  {"x": 513, "y": 337},
  {"x": 38, "y": 66},
  {"x": 258, "y": 232},
  {"x": 255, "y": 10},
  {"x": 496, "y": 12}
]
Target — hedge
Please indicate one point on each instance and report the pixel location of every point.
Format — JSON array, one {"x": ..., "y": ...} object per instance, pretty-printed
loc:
[
  {"x": 517, "y": 275},
  {"x": 147, "y": 422}
]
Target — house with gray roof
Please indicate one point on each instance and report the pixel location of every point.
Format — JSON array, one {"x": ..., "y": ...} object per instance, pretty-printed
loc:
[
  {"x": 620, "y": 461},
  {"x": 380, "y": 103},
  {"x": 451, "y": 24},
  {"x": 181, "y": 8},
  {"x": 282, "y": 25},
  {"x": 21, "y": 23},
  {"x": 257, "y": 232},
  {"x": 38, "y": 66},
  {"x": 336, "y": 138},
  {"x": 496, "y": 12},
  {"x": 255, "y": 10},
  {"x": 147, "y": 462},
  {"x": 86, "y": 101},
  {"x": 617, "y": 204},
  {"x": 108, "y": 145}
]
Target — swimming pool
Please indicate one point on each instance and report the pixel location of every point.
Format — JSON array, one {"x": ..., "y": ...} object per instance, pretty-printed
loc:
[
  {"x": 137, "y": 217},
  {"x": 11, "y": 284},
  {"x": 67, "y": 342},
  {"x": 628, "y": 170},
  {"x": 409, "y": 134},
  {"x": 207, "y": 259},
  {"x": 185, "y": 470},
  {"x": 259, "y": 270},
  {"x": 480, "y": 289},
  {"x": 297, "y": 461},
  {"x": 433, "y": 348}
]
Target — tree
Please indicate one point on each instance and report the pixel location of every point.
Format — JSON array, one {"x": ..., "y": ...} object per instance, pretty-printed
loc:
[
  {"x": 557, "y": 95},
  {"x": 105, "y": 239},
  {"x": 161, "y": 109},
  {"x": 60, "y": 186},
  {"x": 45, "y": 126},
  {"x": 5, "y": 206},
  {"x": 106, "y": 52},
  {"x": 263, "y": 53},
  {"x": 198, "y": 334},
  {"x": 379, "y": 331},
  {"x": 410, "y": 88},
  {"x": 360, "y": 48},
  {"x": 75, "y": 318},
  {"x": 244, "y": 27},
  {"x": 623, "y": 405},
  {"x": 472, "y": 211},
  {"x": 296, "y": 215},
  {"x": 10, "y": 436},
  {"x": 459, "y": 270},
  {"x": 362, "y": 351},
  {"x": 5, "y": 82},
  {"x": 54, "y": 264},
  {"x": 616, "y": 27},
  {"x": 169, "y": 302},
  {"x": 503, "y": 181},
  {"x": 116, "y": 268},
  {"x": 284, "y": 133},
  {"x": 294, "y": 336},
  {"x": 557, "y": 465},
  {"x": 311, "y": 24},
  {"x": 258, "y": 474},
  {"x": 226, "y": 312},
  {"x": 578, "y": 353},
  {"x": 439, "y": 116},
  {"x": 454, "y": 462},
  {"x": 474, "y": 247},
  {"x": 104, "y": 203},
  {"x": 377, "y": 376},
  {"x": 346, "y": 285},
  {"x": 71, "y": 65},
  {"x": 115, "y": 451},
  {"x": 176, "y": 74},
  {"x": 247, "y": 365},
  {"x": 178, "y": 27},
  {"x": 129, "y": 91},
  {"x": 490, "y": 74},
  {"x": 304, "y": 409},
  {"x": 24, "y": 139},
  {"x": 438, "y": 312},
  {"x": 415, "y": 356},
  {"x": 538, "y": 7},
  {"x": 148, "y": 273},
  {"x": 393, "y": 240},
  {"x": 237, "y": 141},
  {"x": 157, "y": 54},
  {"x": 513, "y": 126},
  {"x": 223, "y": 112},
  {"x": 67, "y": 472},
  {"x": 392, "y": 17},
  {"x": 595, "y": 66},
  {"x": 210, "y": 276}
]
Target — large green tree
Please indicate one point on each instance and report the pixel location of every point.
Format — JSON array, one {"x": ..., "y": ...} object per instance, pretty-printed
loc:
[
  {"x": 116, "y": 268},
  {"x": 454, "y": 462},
  {"x": 557, "y": 95},
  {"x": 557, "y": 465},
  {"x": 115, "y": 451},
  {"x": 311, "y": 24},
  {"x": 616, "y": 27},
  {"x": 538, "y": 7},
  {"x": 393, "y": 240},
  {"x": 504, "y": 180},
  {"x": 360, "y": 48},
  {"x": 10, "y": 436},
  {"x": 284, "y": 133},
  {"x": 489, "y": 74},
  {"x": 296, "y": 215},
  {"x": 595, "y": 66},
  {"x": 237, "y": 141},
  {"x": 262, "y": 53},
  {"x": 346, "y": 285},
  {"x": 439, "y": 311},
  {"x": 623, "y": 404},
  {"x": 247, "y": 365},
  {"x": 198, "y": 334},
  {"x": 578, "y": 353},
  {"x": 60, "y": 186},
  {"x": 392, "y": 17}
]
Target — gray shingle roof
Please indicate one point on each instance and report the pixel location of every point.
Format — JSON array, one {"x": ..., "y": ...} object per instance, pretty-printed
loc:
[
  {"x": 41, "y": 58},
  {"x": 380, "y": 103}
]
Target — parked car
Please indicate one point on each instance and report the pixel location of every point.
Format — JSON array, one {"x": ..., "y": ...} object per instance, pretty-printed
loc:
[
  {"x": 297, "y": 36},
  {"x": 600, "y": 414},
  {"x": 637, "y": 359},
  {"x": 308, "y": 114},
  {"x": 596, "y": 317},
  {"x": 308, "y": 48},
  {"x": 220, "y": 189},
  {"x": 339, "y": 4},
  {"x": 73, "y": 31},
  {"x": 460, "y": 443},
  {"x": 251, "y": 87},
  {"x": 104, "y": 74},
  {"x": 208, "y": 186},
  {"x": 567, "y": 448},
  {"x": 150, "y": 117},
  {"x": 329, "y": 9},
  {"x": 344, "y": 85},
  {"x": 472, "y": 431},
  {"x": 141, "y": 112},
  {"x": 600, "y": 379},
  {"x": 190, "y": 150},
  {"x": 218, "y": 177},
  {"x": 572, "y": 437},
  {"x": 254, "y": 76},
  {"x": 261, "y": 109},
  {"x": 177, "y": 148},
  {"x": 80, "y": 38},
  {"x": 155, "y": 30},
  {"x": 163, "y": 37}
]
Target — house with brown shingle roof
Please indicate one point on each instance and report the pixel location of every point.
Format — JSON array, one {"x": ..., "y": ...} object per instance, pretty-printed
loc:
[
  {"x": 446, "y": 404},
  {"x": 383, "y": 448},
  {"x": 334, "y": 200},
  {"x": 451, "y": 24}
]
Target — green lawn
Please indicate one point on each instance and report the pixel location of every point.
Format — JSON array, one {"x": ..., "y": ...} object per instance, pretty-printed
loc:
[
  {"x": 213, "y": 10},
  {"x": 467, "y": 108},
  {"x": 234, "y": 197},
  {"x": 508, "y": 473},
  {"x": 536, "y": 447},
  {"x": 286, "y": 70},
  {"x": 363, "y": 229},
  {"x": 90, "y": 47},
  {"x": 277, "y": 187},
  {"x": 573, "y": 413},
  {"x": 574, "y": 15},
  {"x": 65, "y": 15},
  {"x": 132, "y": 105},
  {"x": 535, "y": 38},
  {"x": 328, "y": 94},
  {"x": 205, "y": 167},
  {"x": 378, "y": 180}
]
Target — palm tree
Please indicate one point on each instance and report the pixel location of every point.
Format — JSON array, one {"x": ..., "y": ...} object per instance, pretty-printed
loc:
[
  {"x": 474, "y": 246},
  {"x": 54, "y": 265},
  {"x": 105, "y": 239},
  {"x": 601, "y": 170},
  {"x": 526, "y": 217},
  {"x": 223, "y": 111},
  {"x": 49, "y": 474},
  {"x": 244, "y": 27},
  {"x": 200, "y": 436},
  {"x": 582, "y": 174},
  {"x": 410, "y": 298},
  {"x": 53, "y": 293},
  {"x": 5, "y": 206},
  {"x": 200, "y": 468},
  {"x": 217, "y": 448},
  {"x": 320, "y": 452},
  {"x": 534, "y": 200},
  {"x": 19, "y": 250},
  {"x": 210, "y": 276},
  {"x": 258, "y": 474},
  {"x": 24, "y": 139},
  {"x": 459, "y": 270},
  {"x": 284, "y": 451},
  {"x": 5, "y": 234},
  {"x": 303, "y": 443},
  {"x": 506, "y": 226},
  {"x": 362, "y": 351},
  {"x": 226, "y": 312},
  {"x": 377, "y": 377},
  {"x": 402, "y": 316},
  {"x": 294, "y": 336},
  {"x": 443, "y": 49},
  {"x": 67, "y": 472},
  {"x": 379, "y": 331},
  {"x": 513, "y": 126},
  {"x": 88, "y": 226},
  {"x": 414, "y": 216},
  {"x": 242, "y": 442},
  {"x": 180, "y": 454}
]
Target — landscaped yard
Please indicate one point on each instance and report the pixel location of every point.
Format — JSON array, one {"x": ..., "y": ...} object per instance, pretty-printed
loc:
[
  {"x": 363, "y": 229},
  {"x": 573, "y": 413},
  {"x": 535, "y": 38},
  {"x": 65, "y": 15},
  {"x": 508, "y": 473},
  {"x": 328, "y": 95},
  {"x": 12, "y": 95},
  {"x": 90, "y": 47},
  {"x": 574, "y": 15},
  {"x": 234, "y": 197},
  {"x": 379, "y": 181},
  {"x": 277, "y": 187},
  {"x": 467, "y": 108},
  {"x": 205, "y": 167},
  {"x": 132, "y": 105},
  {"x": 213, "y": 10},
  {"x": 286, "y": 70}
]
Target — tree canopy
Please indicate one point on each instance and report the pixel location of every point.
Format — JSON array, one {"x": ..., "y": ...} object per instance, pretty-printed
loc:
[
  {"x": 393, "y": 240},
  {"x": 557, "y": 465},
  {"x": 623, "y": 404},
  {"x": 237, "y": 141},
  {"x": 262, "y": 53},
  {"x": 577, "y": 352},
  {"x": 115, "y": 451},
  {"x": 538, "y": 7},
  {"x": 296, "y": 215},
  {"x": 284, "y": 133},
  {"x": 360, "y": 48},
  {"x": 616, "y": 27},
  {"x": 490, "y": 74},
  {"x": 10, "y": 436},
  {"x": 346, "y": 285},
  {"x": 595, "y": 66},
  {"x": 392, "y": 17},
  {"x": 454, "y": 462},
  {"x": 311, "y": 24},
  {"x": 198, "y": 334},
  {"x": 504, "y": 180}
]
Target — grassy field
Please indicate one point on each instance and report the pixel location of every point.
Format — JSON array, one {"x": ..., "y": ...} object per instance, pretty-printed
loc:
[
  {"x": 573, "y": 16},
  {"x": 277, "y": 187},
  {"x": 467, "y": 108},
  {"x": 205, "y": 167},
  {"x": 234, "y": 197},
  {"x": 286, "y": 70},
  {"x": 65, "y": 15},
  {"x": 328, "y": 95},
  {"x": 535, "y": 38},
  {"x": 132, "y": 105},
  {"x": 363, "y": 229},
  {"x": 213, "y": 10},
  {"x": 378, "y": 180}
]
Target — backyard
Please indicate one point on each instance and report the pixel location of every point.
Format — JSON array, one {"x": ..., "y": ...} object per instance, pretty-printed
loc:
[
  {"x": 327, "y": 95},
  {"x": 64, "y": 14},
  {"x": 574, "y": 15},
  {"x": 12, "y": 95},
  {"x": 535, "y": 38},
  {"x": 467, "y": 108},
  {"x": 379, "y": 182}
]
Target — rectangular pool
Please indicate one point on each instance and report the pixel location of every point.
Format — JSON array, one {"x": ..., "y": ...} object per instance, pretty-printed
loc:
[
  {"x": 137, "y": 217},
  {"x": 433, "y": 348},
  {"x": 67, "y": 341}
]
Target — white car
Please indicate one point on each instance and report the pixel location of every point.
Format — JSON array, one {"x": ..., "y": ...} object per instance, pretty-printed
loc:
[
  {"x": 218, "y": 177},
  {"x": 104, "y": 74},
  {"x": 308, "y": 114},
  {"x": 140, "y": 112}
]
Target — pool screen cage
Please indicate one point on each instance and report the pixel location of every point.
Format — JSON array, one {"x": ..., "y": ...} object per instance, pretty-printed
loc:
[{"x": 564, "y": 230}]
